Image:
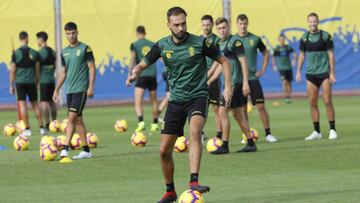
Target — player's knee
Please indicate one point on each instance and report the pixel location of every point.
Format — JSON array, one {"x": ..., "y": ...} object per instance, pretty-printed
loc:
[
  {"x": 165, "y": 153},
  {"x": 261, "y": 107},
  {"x": 327, "y": 102}
]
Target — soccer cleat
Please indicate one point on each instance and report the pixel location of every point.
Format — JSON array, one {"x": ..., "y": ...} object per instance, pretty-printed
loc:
[
  {"x": 199, "y": 188},
  {"x": 141, "y": 126},
  {"x": 83, "y": 155},
  {"x": 248, "y": 148},
  {"x": 154, "y": 127},
  {"x": 332, "y": 135},
  {"x": 270, "y": 138},
  {"x": 26, "y": 133},
  {"x": 65, "y": 160},
  {"x": 314, "y": 135},
  {"x": 44, "y": 131},
  {"x": 221, "y": 150},
  {"x": 168, "y": 197}
]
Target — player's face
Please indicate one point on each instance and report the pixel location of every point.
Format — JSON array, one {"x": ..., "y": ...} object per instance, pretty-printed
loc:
[
  {"x": 242, "y": 25},
  {"x": 39, "y": 41},
  {"x": 177, "y": 26},
  {"x": 71, "y": 36},
  {"x": 206, "y": 27},
  {"x": 313, "y": 23},
  {"x": 281, "y": 40},
  {"x": 223, "y": 30}
]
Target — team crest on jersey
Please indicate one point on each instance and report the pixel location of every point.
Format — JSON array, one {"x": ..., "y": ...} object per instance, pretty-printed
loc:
[
  {"x": 145, "y": 50},
  {"x": 208, "y": 42},
  {"x": 237, "y": 43},
  {"x": 191, "y": 51},
  {"x": 168, "y": 53},
  {"x": 78, "y": 52}
]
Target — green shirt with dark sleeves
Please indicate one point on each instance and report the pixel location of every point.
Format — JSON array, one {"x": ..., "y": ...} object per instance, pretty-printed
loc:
[
  {"x": 282, "y": 57},
  {"x": 214, "y": 39},
  {"x": 47, "y": 65},
  {"x": 141, "y": 47},
  {"x": 25, "y": 59}
]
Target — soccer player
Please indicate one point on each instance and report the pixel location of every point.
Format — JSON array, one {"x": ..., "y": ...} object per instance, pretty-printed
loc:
[
  {"x": 25, "y": 72},
  {"x": 147, "y": 79},
  {"x": 231, "y": 47},
  {"x": 252, "y": 44},
  {"x": 184, "y": 55},
  {"x": 207, "y": 24},
  {"x": 78, "y": 69},
  {"x": 281, "y": 62},
  {"x": 47, "y": 81},
  {"x": 318, "y": 47}
]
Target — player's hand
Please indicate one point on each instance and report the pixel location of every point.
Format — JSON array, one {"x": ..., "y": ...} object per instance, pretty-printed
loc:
[
  {"x": 130, "y": 79},
  {"x": 332, "y": 78},
  {"x": 259, "y": 73},
  {"x": 298, "y": 76},
  {"x": 246, "y": 89},
  {"x": 12, "y": 90},
  {"x": 55, "y": 97},
  {"x": 228, "y": 91},
  {"x": 90, "y": 92},
  {"x": 208, "y": 83}
]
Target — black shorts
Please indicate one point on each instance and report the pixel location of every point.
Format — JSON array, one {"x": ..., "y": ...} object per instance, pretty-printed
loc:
[
  {"x": 146, "y": 82},
  {"x": 23, "y": 90},
  {"x": 46, "y": 92},
  {"x": 165, "y": 77},
  {"x": 318, "y": 79},
  {"x": 76, "y": 102},
  {"x": 177, "y": 113},
  {"x": 215, "y": 93},
  {"x": 286, "y": 75},
  {"x": 238, "y": 99},
  {"x": 256, "y": 92}
]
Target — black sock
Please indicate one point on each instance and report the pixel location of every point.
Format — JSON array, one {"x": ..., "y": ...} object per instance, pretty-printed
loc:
[
  {"x": 250, "y": 141},
  {"x": 156, "y": 120},
  {"x": 226, "y": 143},
  {"x": 332, "y": 125},
  {"x": 140, "y": 118},
  {"x": 47, "y": 125},
  {"x": 66, "y": 147},
  {"x": 86, "y": 148},
  {"x": 194, "y": 177},
  {"x": 41, "y": 126},
  {"x": 28, "y": 128},
  {"x": 170, "y": 187},
  {"x": 267, "y": 131},
  {"x": 219, "y": 134},
  {"x": 317, "y": 127}
]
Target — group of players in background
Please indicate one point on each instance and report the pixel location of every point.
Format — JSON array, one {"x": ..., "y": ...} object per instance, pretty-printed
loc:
[{"x": 193, "y": 68}]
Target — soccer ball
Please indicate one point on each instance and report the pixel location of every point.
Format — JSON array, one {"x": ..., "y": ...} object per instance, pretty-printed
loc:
[
  {"x": 64, "y": 125},
  {"x": 213, "y": 144},
  {"x": 20, "y": 126},
  {"x": 250, "y": 108},
  {"x": 21, "y": 143},
  {"x": 55, "y": 126},
  {"x": 121, "y": 125},
  {"x": 181, "y": 144},
  {"x": 76, "y": 142},
  {"x": 60, "y": 142},
  {"x": 254, "y": 134},
  {"x": 138, "y": 139},
  {"x": 191, "y": 196},
  {"x": 9, "y": 130},
  {"x": 92, "y": 140},
  {"x": 48, "y": 140},
  {"x": 48, "y": 152}
]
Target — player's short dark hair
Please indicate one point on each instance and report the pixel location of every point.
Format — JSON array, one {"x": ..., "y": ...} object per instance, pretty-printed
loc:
[
  {"x": 313, "y": 14},
  {"x": 242, "y": 16},
  {"x": 43, "y": 35},
  {"x": 23, "y": 35},
  {"x": 140, "y": 29},
  {"x": 70, "y": 26},
  {"x": 208, "y": 17},
  {"x": 174, "y": 11},
  {"x": 221, "y": 20}
]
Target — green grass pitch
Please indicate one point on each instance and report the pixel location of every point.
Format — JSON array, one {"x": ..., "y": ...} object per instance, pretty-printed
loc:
[{"x": 291, "y": 170}]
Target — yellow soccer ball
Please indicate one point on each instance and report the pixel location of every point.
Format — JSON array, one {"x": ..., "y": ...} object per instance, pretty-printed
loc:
[
  {"x": 121, "y": 125},
  {"x": 92, "y": 140},
  {"x": 76, "y": 142},
  {"x": 191, "y": 196},
  {"x": 21, "y": 143},
  {"x": 48, "y": 140},
  {"x": 254, "y": 134},
  {"x": 55, "y": 126},
  {"x": 48, "y": 152},
  {"x": 20, "y": 126},
  {"x": 213, "y": 144},
  {"x": 60, "y": 142},
  {"x": 250, "y": 108},
  {"x": 138, "y": 139},
  {"x": 181, "y": 144},
  {"x": 64, "y": 125},
  {"x": 9, "y": 130}
]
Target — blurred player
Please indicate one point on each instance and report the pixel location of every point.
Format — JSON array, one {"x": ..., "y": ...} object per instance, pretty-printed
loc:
[
  {"x": 25, "y": 72},
  {"x": 184, "y": 55},
  {"x": 318, "y": 47},
  {"x": 163, "y": 104}
]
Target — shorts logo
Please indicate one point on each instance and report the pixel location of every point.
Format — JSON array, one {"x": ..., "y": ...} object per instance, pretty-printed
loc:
[
  {"x": 78, "y": 52},
  {"x": 145, "y": 50},
  {"x": 191, "y": 51}
]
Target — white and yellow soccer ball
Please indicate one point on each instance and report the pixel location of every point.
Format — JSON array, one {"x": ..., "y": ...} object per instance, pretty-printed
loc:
[
  {"x": 55, "y": 126},
  {"x": 20, "y": 126},
  {"x": 121, "y": 125},
  {"x": 76, "y": 142},
  {"x": 181, "y": 144},
  {"x": 21, "y": 143},
  {"x": 254, "y": 134},
  {"x": 138, "y": 139},
  {"x": 213, "y": 144},
  {"x": 60, "y": 142},
  {"x": 191, "y": 196},
  {"x": 9, "y": 130},
  {"x": 47, "y": 140},
  {"x": 92, "y": 140},
  {"x": 249, "y": 108},
  {"x": 64, "y": 125},
  {"x": 48, "y": 152}
]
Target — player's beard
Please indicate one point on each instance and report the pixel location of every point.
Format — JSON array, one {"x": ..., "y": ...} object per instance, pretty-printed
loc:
[{"x": 180, "y": 36}]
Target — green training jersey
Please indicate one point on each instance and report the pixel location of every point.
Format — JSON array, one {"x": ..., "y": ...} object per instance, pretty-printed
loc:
[
  {"x": 141, "y": 47},
  {"x": 282, "y": 57},
  {"x": 316, "y": 47},
  {"x": 214, "y": 39},
  {"x": 25, "y": 59},
  {"x": 186, "y": 63},
  {"x": 232, "y": 48},
  {"x": 252, "y": 44},
  {"x": 75, "y": 60},
  {"x": 47, "y": 58}
]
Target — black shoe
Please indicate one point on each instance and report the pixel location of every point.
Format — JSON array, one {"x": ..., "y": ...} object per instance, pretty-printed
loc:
[
  {"x": 221, "y": 150},
  {"x": 247, "y": 148},
  {"x": 199, "y": 188},
  {"x": 168, "y": 197}
]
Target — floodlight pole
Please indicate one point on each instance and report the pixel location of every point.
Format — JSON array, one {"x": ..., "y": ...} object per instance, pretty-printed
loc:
[
  {"x": 58, "y": 44},
  {"x": 227, "y": 10}
]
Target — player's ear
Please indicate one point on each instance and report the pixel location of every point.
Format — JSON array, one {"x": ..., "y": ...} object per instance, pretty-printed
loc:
[{"x": 168, "y": 25}]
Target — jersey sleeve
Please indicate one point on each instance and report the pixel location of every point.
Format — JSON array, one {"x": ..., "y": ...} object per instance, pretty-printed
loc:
[
  {"x": 329, "y": 43},
  {"x": 210, "y": 50},
  {"x": 302, "y": 46},
  {"x": 63, "y": 64},
  {"x": 13, "y": 57},
  {"x": 132, "y": 47},
  {"x": 89, "y": 56},
  {"x": 261, "y": 46},
  {"x": 238, "y": 48},
  {"x": 153, "y": 54}
]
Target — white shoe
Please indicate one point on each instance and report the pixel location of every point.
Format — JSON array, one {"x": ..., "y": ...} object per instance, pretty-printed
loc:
[
  {"x": 63, "y": 153},
  {"x": 314, "y": 135},
  {"x": 26, "y": 133},
  {"x": 332, "y": 135},
  {"x": 83, "y": 155},
  {"x": 44, "y": 131},
  {"x": 243, "y": 141},
  {"x": 271, "y": 138}
]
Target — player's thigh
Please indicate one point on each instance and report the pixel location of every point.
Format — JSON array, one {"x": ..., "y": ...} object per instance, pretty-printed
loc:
[
  {"x": 139, "y": 94},
  {"x": 312, "y": 92},
  {"x": 326, "y": 90}
]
